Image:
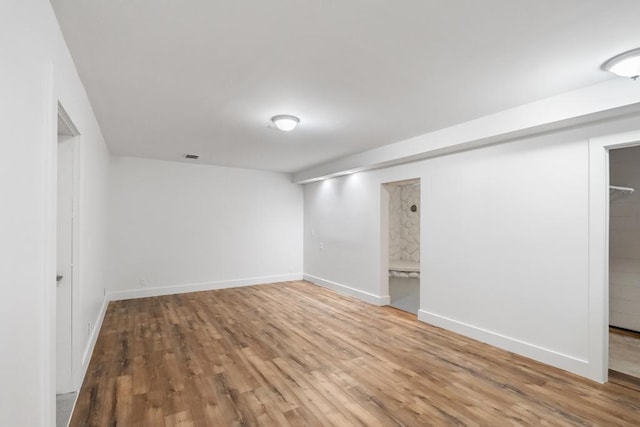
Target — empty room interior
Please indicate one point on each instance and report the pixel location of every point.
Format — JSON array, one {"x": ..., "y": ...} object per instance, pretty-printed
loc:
[{"x": 338, "y": 213}]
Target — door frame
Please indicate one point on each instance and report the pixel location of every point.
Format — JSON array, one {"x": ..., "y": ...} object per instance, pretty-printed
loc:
[
  {"x": 384, "y": 243},
  {"x": 49, "y": 164},
  {"x": 599, "y": 248},
  {"x": 49, "y": 247},
  {"x": 73, "y": 134}
]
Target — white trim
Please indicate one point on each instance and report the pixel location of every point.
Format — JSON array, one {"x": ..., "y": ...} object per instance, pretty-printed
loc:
[
  {"x": 73, "y": 137},
  {"x": 88, "y": 352},
  {"x": 49, "y": 202},
  {"x": 64, "y": 116},
  {"x": 544, "y": 355},
  {"x": 196, "y": 287},
  {"x": 599, "y": 248},
  {"x": 384, "y": 241},
  {"x": 76, "y": 276},
  {"x": 93, "y": 338},
  {"x": 346, "y": 290}
]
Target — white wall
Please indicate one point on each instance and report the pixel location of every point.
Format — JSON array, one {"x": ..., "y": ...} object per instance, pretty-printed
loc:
[
  {"x": 624, "y": 246},
  {"x": 501, "y": 266},
  {"x": 504, "y": 232},
  {"x": 37, "y": 70},
  {"x": 176, "y": 224}
]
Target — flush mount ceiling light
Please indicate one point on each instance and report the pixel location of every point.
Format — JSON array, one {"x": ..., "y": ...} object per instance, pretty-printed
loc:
[
  {"x": 625, "y": 65},
  {"x": 285, "y": 122}
]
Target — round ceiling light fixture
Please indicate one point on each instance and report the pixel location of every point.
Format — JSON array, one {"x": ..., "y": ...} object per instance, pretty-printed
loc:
[
  {"x": 285, "y": 122},
  {"x": 625, "y": 65}
]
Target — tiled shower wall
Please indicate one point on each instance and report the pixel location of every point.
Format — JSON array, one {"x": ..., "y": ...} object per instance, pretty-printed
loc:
[
  {"x": 624, "y": 241},
  {"x": 404, "y": 225}
]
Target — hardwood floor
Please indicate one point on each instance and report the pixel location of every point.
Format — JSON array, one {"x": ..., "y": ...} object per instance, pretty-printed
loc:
[
  {"x": 624, "y": 357},
  {"x": 297, "y": 354}
]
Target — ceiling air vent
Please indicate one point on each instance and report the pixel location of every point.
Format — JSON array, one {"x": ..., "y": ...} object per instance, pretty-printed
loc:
[{"x": 191, "y": 156}]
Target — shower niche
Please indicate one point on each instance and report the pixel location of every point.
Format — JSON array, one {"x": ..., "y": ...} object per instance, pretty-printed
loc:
[{"x": 404, "y": 244}]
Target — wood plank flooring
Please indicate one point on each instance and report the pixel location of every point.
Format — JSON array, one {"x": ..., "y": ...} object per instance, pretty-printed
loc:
[{"x": 294, "y": 354}]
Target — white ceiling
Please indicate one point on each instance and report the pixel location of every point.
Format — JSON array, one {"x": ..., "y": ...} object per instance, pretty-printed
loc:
[{"x": 168, "y": 77}]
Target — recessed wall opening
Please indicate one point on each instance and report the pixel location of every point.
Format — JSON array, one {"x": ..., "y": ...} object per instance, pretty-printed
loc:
[
  {"x": 624, "y": 263},
  {"x": 403, "y": 240}
]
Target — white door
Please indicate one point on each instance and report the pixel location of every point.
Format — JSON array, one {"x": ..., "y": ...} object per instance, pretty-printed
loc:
[{"x": 64, "y": 283}]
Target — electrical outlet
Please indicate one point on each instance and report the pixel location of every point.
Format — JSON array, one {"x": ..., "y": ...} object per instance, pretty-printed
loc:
[
  {"x": 89, "y": 329},
  {"x": 104, "y": 292},
  {"x": 143, "y": 282}
]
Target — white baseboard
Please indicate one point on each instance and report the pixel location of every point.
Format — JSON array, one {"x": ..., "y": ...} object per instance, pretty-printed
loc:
[
  {"x": 88, "y": 352},
  {"x": 93, "y": 338},
  {"x": 346, "y": 290},
  {"x": 196, "y": 287},
  {"x": 544, "y": 355}
]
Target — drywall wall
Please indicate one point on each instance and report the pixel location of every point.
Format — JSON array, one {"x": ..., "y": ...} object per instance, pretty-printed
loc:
[
  {"x": 179, "y": 227},
  {"x": 504, "y": 254},
  {"x": 624, "y": 241},
  {"x": 37, "y": 71}
]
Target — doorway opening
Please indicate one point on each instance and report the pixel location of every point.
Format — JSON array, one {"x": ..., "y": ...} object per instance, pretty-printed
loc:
[
  {"x": 402, "y": 220},
  {"x": 624, "y": 265},
  {"x": 66, "y": 267}
]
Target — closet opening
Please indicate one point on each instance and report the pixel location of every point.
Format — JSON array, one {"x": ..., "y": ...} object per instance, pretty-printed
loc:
[
  {"x": 624, "y": 265},
  {"x": 401, "y": 227}
]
